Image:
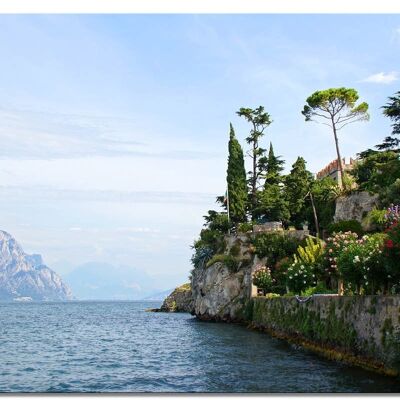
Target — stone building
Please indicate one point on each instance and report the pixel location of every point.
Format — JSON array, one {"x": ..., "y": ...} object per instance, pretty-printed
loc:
[{"x": 332, "y": 169}]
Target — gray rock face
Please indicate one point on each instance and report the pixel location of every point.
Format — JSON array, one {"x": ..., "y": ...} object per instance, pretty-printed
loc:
[
  {"x": 355, "y": 206},
  {"x": 180, "y": 300},
  {"x": 24, "y": 277},
  {"x": 218, "y": 293}
]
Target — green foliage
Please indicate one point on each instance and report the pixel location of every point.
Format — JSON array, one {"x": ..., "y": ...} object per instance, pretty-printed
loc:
[
  {"x": 376, "y": 219},
  {"x": 259, "y": 120},
  {"x": 339, "y": 103},
  {"x": 335, "y": 246},
  {"x": 390, "y": 194},
  {"x": 297, "y": 185},
  {"x": 346, "y": 226},
  {"x": 392, "y": 110},
  {"x": 201, "y": 256},
  {"x": 335, "y": 107},
  {"x": 235, "y": 250},
  {"x": 231, "y": 262},
  {"x": 324, "y": 194},
  {"x": 217, "y": 222},
  {"x": 392, "y": 251},
  {"x": 272, "y": 205},
  {"x": 245, "y": 227},
  {"x": 300, "y": 276},
  {"x": 236, "y": 178},
  {"x": 273, "y": 168},
  {"x": 262, "y": 278},
  {"x": 319, "y": 289},
  {"x": 274, "y": 246},
  {"x": 312, "y": 253},
  {"x": 376, "y": 171},
  {"x": 361, "y": 264}
]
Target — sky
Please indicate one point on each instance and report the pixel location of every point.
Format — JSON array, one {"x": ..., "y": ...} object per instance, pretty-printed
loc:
[{"x": 114, "y": 128}]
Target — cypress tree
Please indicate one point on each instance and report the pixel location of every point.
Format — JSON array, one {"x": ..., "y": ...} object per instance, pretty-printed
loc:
[
  {"x": 236, "y": 179},
  {"x": 274, "y": 168},
  {"x": 297, "y": 185},
  {"x": 273, "y": 205}
]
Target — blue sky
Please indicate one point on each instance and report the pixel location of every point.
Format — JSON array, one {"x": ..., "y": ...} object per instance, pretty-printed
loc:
[{"x": 114, "y": 128}]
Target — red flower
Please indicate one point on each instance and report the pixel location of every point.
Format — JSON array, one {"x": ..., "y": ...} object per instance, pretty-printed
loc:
[{"x": 389, "y": 244}]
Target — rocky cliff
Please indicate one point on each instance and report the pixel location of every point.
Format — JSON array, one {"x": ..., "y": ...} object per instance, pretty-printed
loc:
[
  {"x": 219, "y": 293},
  {"x": 25, "y": 277},
  {"x": 180, "y": 300},
  {"x": 354, "y": 206}
]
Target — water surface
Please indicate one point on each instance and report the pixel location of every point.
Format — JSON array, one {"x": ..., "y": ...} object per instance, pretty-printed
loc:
[{"x": 118, "y": 347}]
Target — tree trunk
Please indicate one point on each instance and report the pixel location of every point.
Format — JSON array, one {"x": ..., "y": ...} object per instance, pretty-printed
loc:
[
  {"x": 254, "y": 180},
  {"x": 339, "y": 158},
  {"x": 315, "y": 214},
  {"x": 340, "y": 287}
]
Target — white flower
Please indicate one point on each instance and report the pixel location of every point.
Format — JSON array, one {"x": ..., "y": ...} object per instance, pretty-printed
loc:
[{"x": 356, "y": 259}]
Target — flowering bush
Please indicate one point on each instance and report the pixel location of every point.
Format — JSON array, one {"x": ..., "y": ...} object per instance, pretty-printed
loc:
[
  {"x": 262, "y": 278},
  {"x": 361, "y": 264},
  {"x": 392, "y": 215},
  {"x": 300, "y": 276},
  {"x": 335, "y": 246},
  {"x": 392, "y": 251}
]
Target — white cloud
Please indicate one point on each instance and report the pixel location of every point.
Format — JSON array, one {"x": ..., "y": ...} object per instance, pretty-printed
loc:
[{"x": 382, "y": 77}]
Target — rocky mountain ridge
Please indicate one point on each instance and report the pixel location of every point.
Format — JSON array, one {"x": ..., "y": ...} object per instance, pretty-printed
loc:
[{"x": 25, "y": 277}]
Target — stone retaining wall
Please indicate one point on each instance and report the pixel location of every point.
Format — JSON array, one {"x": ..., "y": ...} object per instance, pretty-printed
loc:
[{"x": 364, "y": 330}]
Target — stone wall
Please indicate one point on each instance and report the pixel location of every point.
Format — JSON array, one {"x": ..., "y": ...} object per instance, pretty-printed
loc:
[
  {"x": 364, "y": 330},
  {"x": 355, "y": 206}
]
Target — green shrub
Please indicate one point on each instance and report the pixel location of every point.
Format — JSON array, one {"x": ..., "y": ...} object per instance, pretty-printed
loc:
[
  {"x": 362, "y": 265},
  {"x": 300, "y": 276},
  {"x": 201, "y": 256},
  {"x": 319, "y": 289},
  {"x": 275, "y": 246},
  {"x": 235, "y": 250},
  {"x": 312, "y": 253},
  {"x": 229, "y": 261},
  {"x": 392, "y": 252},
  {"x": 245, "y": 227},
  {"x": 346, "y": 226},
  {"x": 272, "y": 295},
  {"x": 376, "y": 219}
]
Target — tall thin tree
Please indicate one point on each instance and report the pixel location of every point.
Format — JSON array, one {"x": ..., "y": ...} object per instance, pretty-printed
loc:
[
  {"x": 236, "y": 180},
  {"x": 260, "y": 120},
  {"x": 336, "y": 108}
]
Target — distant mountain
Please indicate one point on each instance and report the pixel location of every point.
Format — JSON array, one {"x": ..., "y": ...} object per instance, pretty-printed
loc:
[
  {"x": 103, "y": 281},
  {"x": 24, "y": 277},
  {"x": 160, "y": 296}
]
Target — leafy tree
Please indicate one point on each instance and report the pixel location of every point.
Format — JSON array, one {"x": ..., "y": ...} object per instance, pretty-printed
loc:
[
  {"x": 336, "y": 108},
  {"x": 324, "y": 195},
  {"x": 392, "y": 110},
  {"x": 272, "y": 204},
  {"x": 273, "y": 167},
  {"x": 377, "y": 171},
  {"x": 259, "y": 120},
  {"x": 297, "y": 186},
  {"x": 236, "y": 178}
]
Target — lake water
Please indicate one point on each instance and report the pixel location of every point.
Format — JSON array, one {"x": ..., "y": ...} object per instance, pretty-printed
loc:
[{"x": 118, "y": 347}]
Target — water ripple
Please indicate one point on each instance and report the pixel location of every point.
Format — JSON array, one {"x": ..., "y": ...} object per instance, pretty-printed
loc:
[{"x": 118, "y": 347}]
